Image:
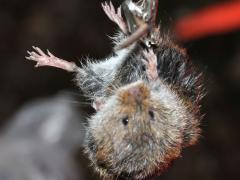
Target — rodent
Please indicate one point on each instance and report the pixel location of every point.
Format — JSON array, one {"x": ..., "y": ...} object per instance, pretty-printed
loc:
[
  {"x": 147, "y": 101},
  {"x": 144, "y": 124},
  {"x": 140, "y": 130}
]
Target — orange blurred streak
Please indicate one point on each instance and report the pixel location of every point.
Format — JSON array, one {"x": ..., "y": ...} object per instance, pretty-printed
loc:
[{"x": 212, "y": 20}]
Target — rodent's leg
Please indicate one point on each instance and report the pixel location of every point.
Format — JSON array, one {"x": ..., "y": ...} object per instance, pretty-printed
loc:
[
  {"x": 49, "y": 59},
  {"x": 95, "y": 78},
  {"x": 115, "y": 16},
  {"x": 137, "y": 26},
  {"x": 151, "y": 64}
]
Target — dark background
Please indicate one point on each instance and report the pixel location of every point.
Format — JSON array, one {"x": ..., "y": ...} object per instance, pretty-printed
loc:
[{"x": 75, "y": 29}]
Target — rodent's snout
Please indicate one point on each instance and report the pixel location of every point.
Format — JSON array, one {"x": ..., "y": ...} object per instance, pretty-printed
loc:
[{"x": 135, "y": 93}]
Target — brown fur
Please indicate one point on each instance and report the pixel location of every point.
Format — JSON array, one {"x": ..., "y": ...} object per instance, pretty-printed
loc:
[{"x": 150, "y": 140}]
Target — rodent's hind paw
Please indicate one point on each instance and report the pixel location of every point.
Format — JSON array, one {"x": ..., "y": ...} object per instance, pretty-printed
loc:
[
  {"x": 49, "y": 59},
  {"x": 115, "y": 15}
]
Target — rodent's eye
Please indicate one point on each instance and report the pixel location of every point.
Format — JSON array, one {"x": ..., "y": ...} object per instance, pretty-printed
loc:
[
  {"x": 143, "y": 67},
  {"x": 125, "y": 121},
  {"x": 151, "y": 114}
]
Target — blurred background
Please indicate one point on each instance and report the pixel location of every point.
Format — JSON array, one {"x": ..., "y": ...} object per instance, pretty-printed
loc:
[{"x": 74, "y": 29}]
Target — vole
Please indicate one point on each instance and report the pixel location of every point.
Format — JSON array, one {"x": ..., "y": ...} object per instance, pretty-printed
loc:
[
  {"x": 140, "y": 130},
  {"x": 147, "y": 100}
]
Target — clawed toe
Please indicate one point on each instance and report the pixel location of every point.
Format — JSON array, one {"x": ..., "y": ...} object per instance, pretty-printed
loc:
[
  {"x": 115, "y": 15},
  {"x": 49, "y": 59},
  {"x": 150, "y": 61}
]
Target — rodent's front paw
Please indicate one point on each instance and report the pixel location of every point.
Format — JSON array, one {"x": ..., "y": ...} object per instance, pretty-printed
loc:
[
  {"x": 49, "y": 59},
  {"x": 150, "y": 62},
  {"x": 40, "y": 57}
]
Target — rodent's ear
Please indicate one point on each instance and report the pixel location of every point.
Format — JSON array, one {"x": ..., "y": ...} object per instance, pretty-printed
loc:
[{"x": 98, "y": 103}]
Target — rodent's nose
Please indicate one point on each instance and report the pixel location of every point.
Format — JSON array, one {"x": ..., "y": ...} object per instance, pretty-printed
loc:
[{"x": 135, "y": 93}]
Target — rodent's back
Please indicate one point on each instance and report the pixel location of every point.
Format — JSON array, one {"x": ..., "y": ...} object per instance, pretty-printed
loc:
[{"x": 176, "y": 69}]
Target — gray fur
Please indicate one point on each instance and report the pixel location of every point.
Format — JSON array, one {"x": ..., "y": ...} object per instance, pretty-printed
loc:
[
  {"x": 174, "y": 99},
  {"x": 137, "y": 151}
]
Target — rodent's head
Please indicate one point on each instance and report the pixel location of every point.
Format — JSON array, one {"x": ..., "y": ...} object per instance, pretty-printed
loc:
[{"x": 138, "y": 132}]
